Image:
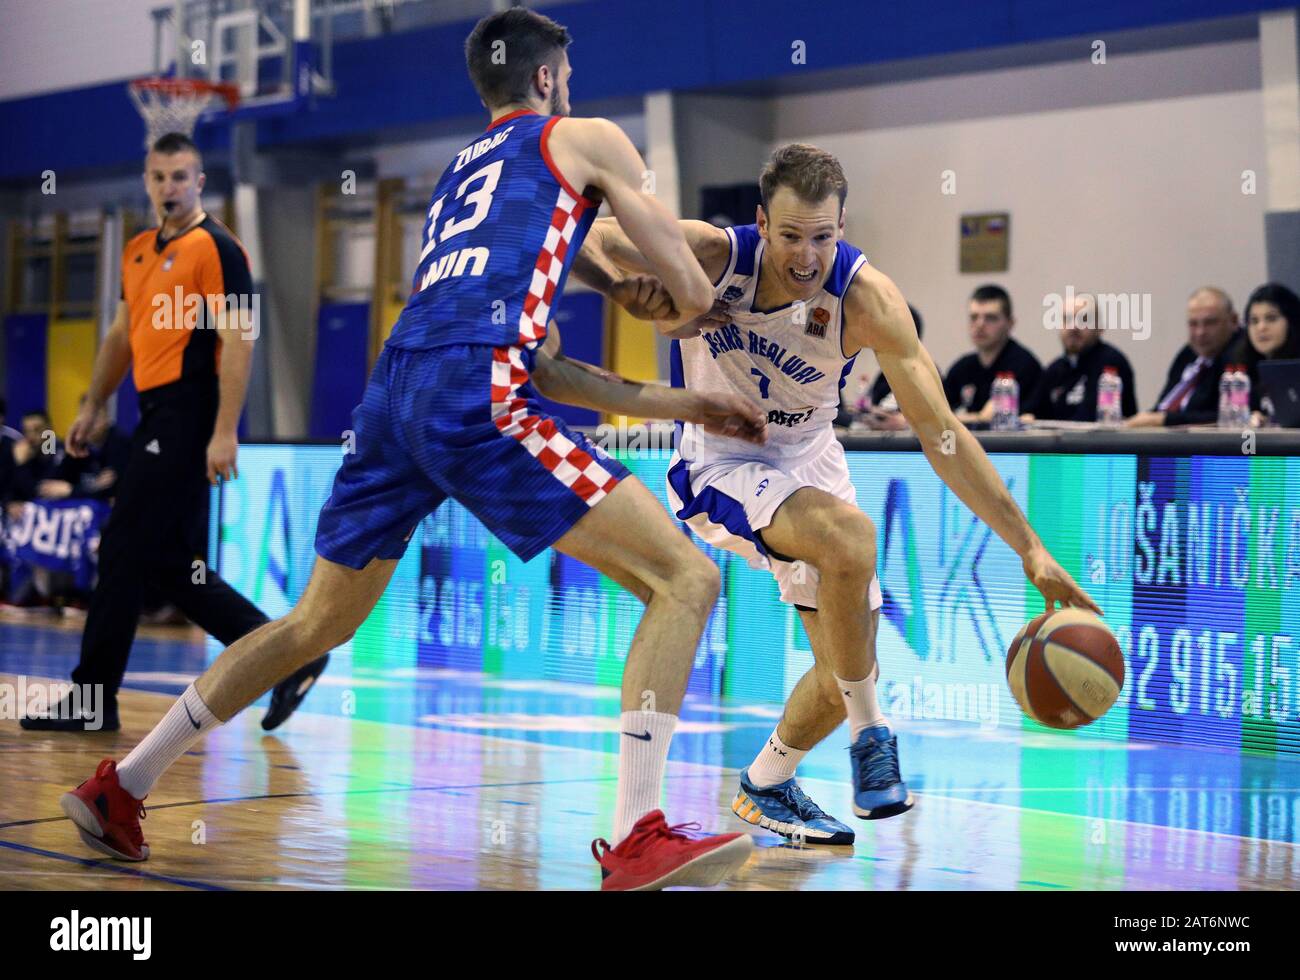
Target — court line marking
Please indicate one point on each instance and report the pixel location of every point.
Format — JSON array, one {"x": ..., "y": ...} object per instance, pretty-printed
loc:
[
  {"x": 714, "y": 770},
  {"x": 1265, "y": 841},
  {"x": 1115, "y": 789},
  {"x": 116, "y": 869},
  {"x": 229, "y": 882},
  {"x": 707, "y": 769},
  {"x": 349, "y": 792}
]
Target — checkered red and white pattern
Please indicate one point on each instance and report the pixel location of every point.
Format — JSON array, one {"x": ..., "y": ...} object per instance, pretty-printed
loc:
[
  {"x": 550, "y": 264},
  {"x": 568, "y": 463}
]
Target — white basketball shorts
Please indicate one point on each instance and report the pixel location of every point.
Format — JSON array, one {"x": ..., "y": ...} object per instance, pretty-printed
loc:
[{"x": 727, "y": 503}]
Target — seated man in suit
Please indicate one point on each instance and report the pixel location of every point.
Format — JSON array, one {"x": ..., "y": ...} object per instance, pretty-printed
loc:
[
  {"x": 1191, "y": 392},
  {"x": 1068, "y": 388}
]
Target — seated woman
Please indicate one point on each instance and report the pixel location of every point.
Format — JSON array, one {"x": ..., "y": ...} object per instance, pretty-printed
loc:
[{"x": 1272, "y": 333}]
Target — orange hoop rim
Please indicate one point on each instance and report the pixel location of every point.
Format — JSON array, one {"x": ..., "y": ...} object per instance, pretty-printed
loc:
[{"x": 188, "y": 86}]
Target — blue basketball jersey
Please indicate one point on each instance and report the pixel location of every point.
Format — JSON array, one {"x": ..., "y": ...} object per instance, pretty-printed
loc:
[{"x": 501, "y": 232}]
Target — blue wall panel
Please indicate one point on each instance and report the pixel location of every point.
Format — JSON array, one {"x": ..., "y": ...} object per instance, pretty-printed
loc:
[
  {"x": 342, "y": 334},
  {"x": 25, "y": 361}
]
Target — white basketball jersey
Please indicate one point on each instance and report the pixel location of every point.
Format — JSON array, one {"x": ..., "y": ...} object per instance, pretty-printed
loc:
[{"x": 788, "y": 360}]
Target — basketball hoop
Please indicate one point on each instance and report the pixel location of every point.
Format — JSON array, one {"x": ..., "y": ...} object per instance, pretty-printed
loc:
[{"x": 174, "y": 105}]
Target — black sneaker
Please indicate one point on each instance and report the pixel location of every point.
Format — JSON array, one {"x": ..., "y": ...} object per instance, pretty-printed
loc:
[
  {"x": 288, "y": 694},
  {"x": 62, "y": 719}
]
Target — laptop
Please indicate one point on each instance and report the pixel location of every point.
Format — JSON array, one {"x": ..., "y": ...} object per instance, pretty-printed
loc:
[{"x": 1281, "y": 383}]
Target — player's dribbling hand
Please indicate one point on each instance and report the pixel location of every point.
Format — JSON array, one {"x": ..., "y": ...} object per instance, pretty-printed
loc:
[
  {"x": 644, "y": 297},
  {"x": 728, "y": 415},
  {"x": 222, "y": 450},
  {"x": 1055, "y": 583},
  {"x": 78, "y": 442}
]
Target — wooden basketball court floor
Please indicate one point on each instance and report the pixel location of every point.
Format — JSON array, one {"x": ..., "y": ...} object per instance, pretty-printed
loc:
[{"x": 439, "y": 779}]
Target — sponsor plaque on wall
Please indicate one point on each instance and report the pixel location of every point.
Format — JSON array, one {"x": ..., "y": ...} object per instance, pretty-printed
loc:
[{"x": 985, "y": 241}]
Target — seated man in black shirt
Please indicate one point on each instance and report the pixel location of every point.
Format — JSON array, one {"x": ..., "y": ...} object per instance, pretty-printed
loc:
[
  {"x": 28, "y": 461},
  {"x": 26, "y": 464},
  {"x": 970, "y": 379},
  {"x": 1068, "y": 388},
  {"x": 1191, "y": 392},
  {"x": 96, "y": 474}
]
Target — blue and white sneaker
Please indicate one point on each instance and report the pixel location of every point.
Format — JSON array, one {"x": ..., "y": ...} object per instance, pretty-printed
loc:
[
  {"x": 785, "y": 810},
  {"x": 878, "y": 789}
]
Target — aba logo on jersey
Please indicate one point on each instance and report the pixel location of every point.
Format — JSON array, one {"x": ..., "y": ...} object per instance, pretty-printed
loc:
[
  {"x": 168, "y": 264},
  {"x": 761, "y": 487},
  {"x": 817, "y": 325},
  {"x": 732, "y": 293}
]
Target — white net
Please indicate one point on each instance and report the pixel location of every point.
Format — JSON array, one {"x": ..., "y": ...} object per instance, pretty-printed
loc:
[{"x": 171, "y": 105}]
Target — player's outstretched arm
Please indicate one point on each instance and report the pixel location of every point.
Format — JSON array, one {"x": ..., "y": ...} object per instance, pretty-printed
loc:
[
  {"x": 611, "y": 264},
  {"x": 596, "y": 153},
  {"x": 608, "y": 245},
  {"x": 578, "y": 383},
  {"x": 876, "y": 316}
]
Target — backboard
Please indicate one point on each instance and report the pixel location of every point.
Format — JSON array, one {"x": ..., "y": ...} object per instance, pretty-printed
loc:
[{"x": 266, "y": 49}]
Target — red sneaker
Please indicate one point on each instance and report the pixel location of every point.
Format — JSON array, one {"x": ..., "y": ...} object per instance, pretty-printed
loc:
[
  {"x": 107, "y": 816},
  {"x": 656, "y": 855}
]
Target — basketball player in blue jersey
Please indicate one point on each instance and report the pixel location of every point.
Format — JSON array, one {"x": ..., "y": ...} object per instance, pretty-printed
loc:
[
  {"x": 795, "y": 304},
  {"x": 451, "y": 411}
]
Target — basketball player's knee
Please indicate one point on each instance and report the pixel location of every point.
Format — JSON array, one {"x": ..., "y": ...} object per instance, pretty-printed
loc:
[
  {"x": 850, "y": 551},
  {"x": 695, "y": 581}
]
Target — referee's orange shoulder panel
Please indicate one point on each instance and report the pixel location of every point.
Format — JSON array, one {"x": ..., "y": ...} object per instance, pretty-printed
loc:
[{"x": 159, "y": 280}]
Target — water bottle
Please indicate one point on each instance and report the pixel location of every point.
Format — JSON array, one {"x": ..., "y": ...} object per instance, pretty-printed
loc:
[
  {"x": 862, "y": 406},
  {"x": 1006, "y": 402},
  {"x": 1226, "y": 407},
  {"x": 1241, "y": 398},
  {"x": 1110, "y": 387}
]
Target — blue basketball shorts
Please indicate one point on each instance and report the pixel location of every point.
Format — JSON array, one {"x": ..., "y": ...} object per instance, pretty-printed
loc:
[{"x": 460, "y": 422}]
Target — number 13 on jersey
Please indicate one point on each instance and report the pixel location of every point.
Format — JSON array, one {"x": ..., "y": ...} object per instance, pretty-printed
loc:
[{"x": 457, "y": 262}]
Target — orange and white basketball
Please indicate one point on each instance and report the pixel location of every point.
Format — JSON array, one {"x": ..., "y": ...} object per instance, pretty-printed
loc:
[{"x": 1065, "y": 668}]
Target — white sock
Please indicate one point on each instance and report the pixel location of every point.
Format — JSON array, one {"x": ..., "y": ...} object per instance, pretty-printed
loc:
[
  {"x": 860, "y": 702},
  {"x": 185, "y": 723},
  {"x": 640, "y": 766},
  {"x": 775, "y": 762}
]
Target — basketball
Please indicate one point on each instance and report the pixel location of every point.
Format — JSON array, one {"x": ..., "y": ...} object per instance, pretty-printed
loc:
[{"x": 1065, "y": 669}]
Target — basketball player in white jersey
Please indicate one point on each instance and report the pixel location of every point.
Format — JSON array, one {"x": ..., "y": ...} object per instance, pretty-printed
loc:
[{"x": 795, "y": 303}]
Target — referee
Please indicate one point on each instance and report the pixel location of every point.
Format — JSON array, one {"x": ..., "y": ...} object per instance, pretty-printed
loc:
[{"x": 184, "y": 325}]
